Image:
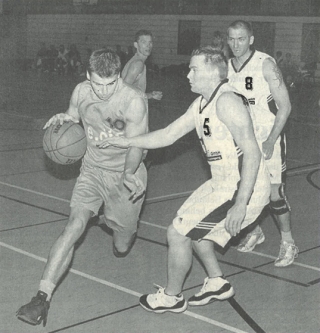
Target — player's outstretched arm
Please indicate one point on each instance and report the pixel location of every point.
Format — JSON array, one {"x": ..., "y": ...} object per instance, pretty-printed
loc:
[
  {"x": 136, "y": 123},
  {"x": 71, "y": 114},
  {"x": 157, "y": 139},
  {"x": 279, "y": 91},
  {"x": 233, "y": 112}
]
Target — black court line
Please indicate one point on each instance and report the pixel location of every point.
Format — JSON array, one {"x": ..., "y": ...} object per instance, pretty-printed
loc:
[
  {"x": 165, "y": 245},
  {"x": 244, "y": 315},
  {"x": 297, "y": 171},
  {"x": 310, "y": 181},
  {"x": 300, "y": 252},
  {"x": 94, "y": 319},
  {"x": 32, "y": 225},
  {"x": 253, "y": 270},
  {"x": 312, "y": 283},
  {"x": 35, "y": 206}
]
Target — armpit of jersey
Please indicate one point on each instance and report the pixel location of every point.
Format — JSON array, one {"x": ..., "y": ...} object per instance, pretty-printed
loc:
[{"x": 244, "y": 100}]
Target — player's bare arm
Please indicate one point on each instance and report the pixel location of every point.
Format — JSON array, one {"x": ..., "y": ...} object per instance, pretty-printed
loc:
[
  {"x": 233, "y": 112},
  {"x": 135, "y": 69},
  {"x": 137, "y": 123},
  {"x": 71, "y": 114},
  {"x": 278, "y": 89},
  {"x": 157, "y": 139}
]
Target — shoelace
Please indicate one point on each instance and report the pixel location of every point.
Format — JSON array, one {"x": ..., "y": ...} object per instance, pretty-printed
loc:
[
  {"x": 203, "y": 289},
  {"x": 283, "y": 250}
]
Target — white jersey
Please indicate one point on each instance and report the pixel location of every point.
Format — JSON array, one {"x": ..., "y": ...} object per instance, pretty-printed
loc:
[
  {"x": 250, "y": 82},
  {"x": 222, "y": 153}
]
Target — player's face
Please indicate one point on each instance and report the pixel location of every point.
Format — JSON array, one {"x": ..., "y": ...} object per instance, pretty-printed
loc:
[
  {"x": 104, "y": 88},
  {"x": 144, "y": 45},
  {"x": 201, "y": 75},
  {"x": 239, "y": 41}
]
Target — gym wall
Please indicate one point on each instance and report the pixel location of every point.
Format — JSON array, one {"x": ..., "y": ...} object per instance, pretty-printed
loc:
[{"x": 95, "y": 31}]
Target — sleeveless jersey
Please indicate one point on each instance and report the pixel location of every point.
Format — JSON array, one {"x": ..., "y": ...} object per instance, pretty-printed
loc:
[
  {"x": 104, "y": 118},
  {"x": 141, "y": 80},
  {"x": 250, "y": 82},
  {"x": 223, "y": 155}
]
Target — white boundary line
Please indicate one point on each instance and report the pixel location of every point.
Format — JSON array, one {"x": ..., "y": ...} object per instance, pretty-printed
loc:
[
  {"x": 294, "y": 263},
  {"x": 177, "y": 195},
  {"x": 34, "y": 192},
  {"x": 125, "y": 290}
]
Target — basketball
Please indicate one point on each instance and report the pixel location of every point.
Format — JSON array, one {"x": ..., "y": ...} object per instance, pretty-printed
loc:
[{"x": 66, "y": 143}]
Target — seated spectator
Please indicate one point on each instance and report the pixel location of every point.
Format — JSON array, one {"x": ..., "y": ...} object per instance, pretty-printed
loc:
[
  {"x": 289, "y": 69},
  {"x": 219, "y": 43},
  {"x": 74, "y": 60},
  {"x": 41, "y": 58},
  {"x": 279, "y": 59},
  {"x": 85, "y": 63},
  {"x": 62, "y": 60},
  {"x": 52, "y": 55}
]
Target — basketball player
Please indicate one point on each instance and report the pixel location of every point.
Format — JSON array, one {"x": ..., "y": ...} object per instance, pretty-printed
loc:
[
  {"x": 257, "y": 76},
  {"x": 107, "y": 107},
  {"x": 234, "y": 196},
  {"x": 135, "y": 71}
]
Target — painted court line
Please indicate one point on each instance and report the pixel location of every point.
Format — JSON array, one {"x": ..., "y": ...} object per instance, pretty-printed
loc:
[
  {"x": 34, "y": 192},
  {"x": 294, "y": 263},
  {"x": 176, "y": 195},
  {"x": 125, "y": 290}
]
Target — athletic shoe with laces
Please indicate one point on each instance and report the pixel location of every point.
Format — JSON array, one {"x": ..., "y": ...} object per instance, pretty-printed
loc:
[
  {"x": 213, "y": 289},
  {"x": 250, "y": 241},
  {"x": 160, "y": 302},
  {"x": 36, "y": 310},
  {"x": 288, "y": 252}
]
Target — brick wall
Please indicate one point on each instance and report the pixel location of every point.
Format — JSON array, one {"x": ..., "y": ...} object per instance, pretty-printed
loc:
[{"x": 95, "y": 31}]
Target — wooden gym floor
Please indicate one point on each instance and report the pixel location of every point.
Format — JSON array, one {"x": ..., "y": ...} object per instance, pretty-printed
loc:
[{"x": 100, "y": 293}]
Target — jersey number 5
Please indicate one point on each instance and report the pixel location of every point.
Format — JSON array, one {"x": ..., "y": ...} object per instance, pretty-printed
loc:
[
  {"x": 206, "y": 128},
  {"x": 249, "y": 81}
]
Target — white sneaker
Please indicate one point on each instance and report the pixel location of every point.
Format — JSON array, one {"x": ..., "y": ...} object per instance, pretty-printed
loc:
[
  {"x": 213, "y": 289},
  {"x": 288, "y": 252},
  {"x": 251, "y": 240},
  {"x": 160, "y": 302}
]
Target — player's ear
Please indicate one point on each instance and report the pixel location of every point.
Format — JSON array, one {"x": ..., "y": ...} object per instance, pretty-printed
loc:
[
  {"x": 88, "y": 75},
  {"x": 135, "y": 45},
  {"x": 251, "y": 40}
]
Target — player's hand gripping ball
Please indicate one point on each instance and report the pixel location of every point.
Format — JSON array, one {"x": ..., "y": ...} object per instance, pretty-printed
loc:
[{"x": 65, "y": 143}]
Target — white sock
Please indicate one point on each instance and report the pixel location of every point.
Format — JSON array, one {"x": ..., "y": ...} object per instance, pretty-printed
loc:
[
  {"x": 47, "y": 287},
  {"x": 286, "y": 236}
]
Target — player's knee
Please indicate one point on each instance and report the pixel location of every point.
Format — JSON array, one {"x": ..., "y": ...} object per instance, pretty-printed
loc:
[
  {"x": 173, "y": 236},
  {"x": 279, "y": 204},
  {"x": 123, "y": 242},
  {"x": 75, "y": 226}
]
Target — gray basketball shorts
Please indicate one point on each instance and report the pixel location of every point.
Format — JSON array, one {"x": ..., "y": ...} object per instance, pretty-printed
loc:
[{"x": 96, "y": 186}]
